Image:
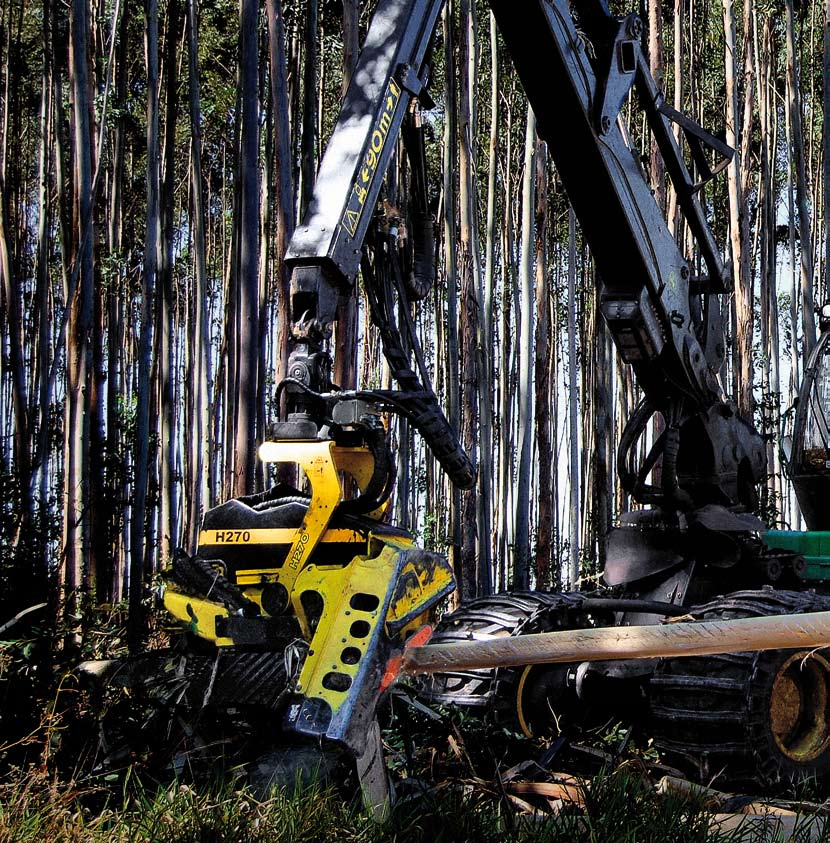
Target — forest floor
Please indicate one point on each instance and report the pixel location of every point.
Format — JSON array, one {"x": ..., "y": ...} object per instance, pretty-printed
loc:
[{"x": 79, "y": 766}]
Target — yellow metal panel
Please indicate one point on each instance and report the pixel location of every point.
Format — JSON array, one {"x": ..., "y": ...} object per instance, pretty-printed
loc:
[
  {"x": 419, "y": 580},
  {"x": 274, "y": 535},
  {"x": 198, "y": 614},
  {"x": 315, "y": 459},
  {"x": 336, "y": 630}
]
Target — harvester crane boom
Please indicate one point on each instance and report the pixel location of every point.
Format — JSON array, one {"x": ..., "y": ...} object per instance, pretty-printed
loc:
[{"x": 665, "y": 321}]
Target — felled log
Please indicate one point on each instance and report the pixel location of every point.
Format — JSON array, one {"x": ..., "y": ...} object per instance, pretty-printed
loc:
[{"x": 805, "y": 631}]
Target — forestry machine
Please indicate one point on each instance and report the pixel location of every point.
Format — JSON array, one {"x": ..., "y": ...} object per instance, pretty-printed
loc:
[{"x": 300, "y": 597}]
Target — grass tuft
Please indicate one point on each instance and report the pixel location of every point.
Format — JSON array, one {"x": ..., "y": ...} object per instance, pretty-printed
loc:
[{"x": 620, "y": 807}]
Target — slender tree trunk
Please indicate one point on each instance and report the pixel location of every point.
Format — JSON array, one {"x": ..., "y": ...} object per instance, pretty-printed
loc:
[
  {"x": 602, "y": 411},
  {"x": 743, "y": 303},
  {"x": 20, "y": 396},
  {"x": 284, "y": 189},
  {"x": 200, "y": 400},
  {"x": 671, "y": 200},
  {"x": 802, "y": 199},
  {"x": 826, "y": 145},
  {"x": 487, "y": 527},
  {"x": 521, "y": 558},
  {"x": 545, "y": 395},
  {"x": 506, "y": 385},
  {"x": 484, "y": 351},
  {"x": 655, "y": 61},
  {"x": 309, "y": 133},
  {"x": 469, "y": 268},
  {"x": 167, "y": 322},
  {"x": 116, "y": 489},
  {"x": 795, "y": 378},
  {"x": 345, "y": 361},
  {"x": 79, "y": 336},
  {"x": 145, "y": 354},
  {"x": 573, "y": 408},
  {"x": 247, "y": 316},
  {"x": 44, "y": 303}
]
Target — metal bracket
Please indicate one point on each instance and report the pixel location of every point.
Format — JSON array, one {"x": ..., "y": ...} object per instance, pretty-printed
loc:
[
  {"x": 697, "y": 137},
  {"x": 623, "y": 60}
]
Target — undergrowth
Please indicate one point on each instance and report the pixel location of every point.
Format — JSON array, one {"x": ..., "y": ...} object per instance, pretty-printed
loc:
[
  {"x": 452, "y": 774},
  {"x": 619, "y": 809}
]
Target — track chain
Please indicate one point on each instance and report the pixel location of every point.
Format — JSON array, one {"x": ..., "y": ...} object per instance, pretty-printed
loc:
[
  {"x": 493, "y": 692},
  {"x": 710, "y": 715}
]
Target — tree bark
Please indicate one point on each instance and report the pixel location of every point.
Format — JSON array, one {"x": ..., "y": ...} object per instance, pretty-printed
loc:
[
  {"x": 248, "y": 376},
  {"x": 170, "y": 482},
  {"x": 79, "y": 336},
  {"x": 145, "y": 354},
  {"x": 309, "y": 131},
  {"x": 521, "y": 553},
  {"x": 655, "y": 61},
  {"x": 345, "y": 361},
  {"x": 545, "y": 394},
  {"x": 826, "y": 144},
  {"x": 737, "y": 230},
  {"x": 487, "y": 349},
  {"x": 470, "y": 280},
  {"x": 199, "y": 414},
  {"x": 573, "y": 410},
  {"x": 802, "y": 199},
  {"x": 451, "y": 272},
  {"x": 284, "y": 188}
]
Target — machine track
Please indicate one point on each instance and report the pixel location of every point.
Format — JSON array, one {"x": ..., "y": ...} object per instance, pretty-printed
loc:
[
  {"x": 758, "y": 717},
  {"x": 494, "y": 693}
]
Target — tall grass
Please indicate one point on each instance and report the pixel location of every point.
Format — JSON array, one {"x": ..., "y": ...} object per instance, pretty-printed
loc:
[{"x": 619, "y": 809}]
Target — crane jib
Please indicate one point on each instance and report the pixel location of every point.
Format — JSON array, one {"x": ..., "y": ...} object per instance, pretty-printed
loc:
[{"x": 366, "y": 174}]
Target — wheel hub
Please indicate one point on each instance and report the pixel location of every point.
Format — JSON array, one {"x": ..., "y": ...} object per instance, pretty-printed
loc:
[{"x": 800, "y": 707}]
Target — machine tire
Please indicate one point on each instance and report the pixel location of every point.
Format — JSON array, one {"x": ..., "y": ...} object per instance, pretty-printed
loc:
[
  {"x": 494, "y": 693},
  {"x": 760, "y": 718}
]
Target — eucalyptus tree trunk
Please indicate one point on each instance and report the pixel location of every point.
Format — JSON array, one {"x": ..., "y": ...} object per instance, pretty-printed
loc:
[
  {"x": 43, "y": 314},
  {"x": 801, "y": 192},
  {"x": 589, "y": 444},
  {"x": 170, "y": 482},
  {"x": 506, "y": 380},
  {"x": 742, "y": 366},
  {"x": 767, "y": 228},
  {"x": 573, "y": 409},
  {"x": 602, "y": 411},
  {"x": 545, "y": 394},
  {"x": 79, "y": 336},
  {"x": 200, "y": 363},
  {"x": 14, "y": 337},
  {"x": 826, "y": 144},
  {"x": 117, "y": 489},
  {"x": 655, "y": 61},
  {"x": 145, "y": 354},
  {"x": 795, "y": 360},
  {"x": 677, "y": 93},
  {"x": 469, "y": 268},
  {"x": 451, "y": 271},
  {"x": 345, "y": 362},
  {"x": 521, "y": 551},
  {"x": 487, "y": 350},
  {"x": 284, "y": 188},
  {"x": 308, "y": 164},
  {"x": 248, "y": 376}
]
